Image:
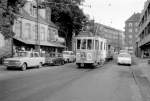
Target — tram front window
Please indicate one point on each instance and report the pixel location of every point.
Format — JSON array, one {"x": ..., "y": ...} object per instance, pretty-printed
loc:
[
  {"x": 89, "y": 44},
  {"x": 83, "y": 44},
  {"x": 78, "y": 43}
]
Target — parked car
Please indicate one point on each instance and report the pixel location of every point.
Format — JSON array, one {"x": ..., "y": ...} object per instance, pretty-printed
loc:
[
  {"x": 24, "y": 59},
  {"x": 124, "y": 58},
  {"x": 54, "y": 59},
  {"x": 68, "y": 56}
]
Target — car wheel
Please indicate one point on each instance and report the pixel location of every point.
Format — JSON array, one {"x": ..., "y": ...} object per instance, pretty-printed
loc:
[
  {"x": 40, "y": 65},
  {"x": 24, "y": 67},
  {"x": 68, "y": 61},
  {"x": 78, "y": 65},
  {"x": 8, "y": 68}
]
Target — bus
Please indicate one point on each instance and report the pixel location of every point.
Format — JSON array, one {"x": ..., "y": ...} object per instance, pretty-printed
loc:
[{"x": 90, "y": 49}]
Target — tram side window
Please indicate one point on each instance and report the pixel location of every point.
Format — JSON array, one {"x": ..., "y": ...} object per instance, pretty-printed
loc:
[
  {"x": 101, "y": 45},
  {"x": 89, "y": 44},
  {"x": 96, "y": 44},
  {"x": 78, "y": 43},
  {"x": 83, "y": 44}
]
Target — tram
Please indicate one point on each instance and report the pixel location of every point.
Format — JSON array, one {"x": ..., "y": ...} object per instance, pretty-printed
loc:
[{"x": 90, "y": 49}]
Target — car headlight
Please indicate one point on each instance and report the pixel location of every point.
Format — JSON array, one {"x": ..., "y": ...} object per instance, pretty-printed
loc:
[
  {"x": 6, "y": 62},
  {"x": 78, "y": 55},
  {"x": 17, "y": 62}
]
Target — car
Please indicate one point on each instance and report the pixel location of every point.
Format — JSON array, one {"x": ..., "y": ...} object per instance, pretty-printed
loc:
[
  {"x": 123, "y": 51},
  {"x": 54, "y": 59},
  {"x": 24, "y": 60},
  {"x": 124, "y": 58},
  {"x": 68, "y": 56}
]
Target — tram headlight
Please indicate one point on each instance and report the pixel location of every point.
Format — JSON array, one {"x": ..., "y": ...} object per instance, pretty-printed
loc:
[
  {"x": 89, "y": 56},
  {"x": 78, "y": 56}
]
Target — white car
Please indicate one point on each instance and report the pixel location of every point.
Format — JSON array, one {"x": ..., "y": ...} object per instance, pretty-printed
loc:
[
  {"x": 124, "y": 58},
  {"x": 68, "y": 56},
  {"x": 24, "y": 59}
]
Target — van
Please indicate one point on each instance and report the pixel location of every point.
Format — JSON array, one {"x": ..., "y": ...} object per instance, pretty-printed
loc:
[{"x": 68, "y": 56}]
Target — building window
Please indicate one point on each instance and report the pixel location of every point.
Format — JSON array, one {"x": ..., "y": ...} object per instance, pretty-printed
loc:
[
  {"x": 2, "y": 40},
  {"x": 42, "y": 33},
  {"x": 130, "y": 36},
  {"x": 33, "y": 10},
  {"x": 33, "y": 33},
  {"x": 136, "y": 30},
  {"x": 130, "y": 24},
  {"x": 17, "y": 29},
  {"x": 136, "y": 24},
  {"x": 130, "y": 30},
  {"x": 27, "y": 34},
  {"x": 51, "y": 35}
]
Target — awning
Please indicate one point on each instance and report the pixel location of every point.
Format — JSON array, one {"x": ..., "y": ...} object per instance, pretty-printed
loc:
[
  {"x": 26, "y": 41},
  {"x": 52, "y": 44}
]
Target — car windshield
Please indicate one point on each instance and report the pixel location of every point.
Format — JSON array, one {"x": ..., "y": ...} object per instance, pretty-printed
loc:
[
  {"x": 66, "y": 53},
  {"x": 20, "y": 54},
  {"x": 124, "y": 55}
]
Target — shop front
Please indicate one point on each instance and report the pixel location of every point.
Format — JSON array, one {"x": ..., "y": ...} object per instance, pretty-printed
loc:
[{"x": 28, "y": 45}]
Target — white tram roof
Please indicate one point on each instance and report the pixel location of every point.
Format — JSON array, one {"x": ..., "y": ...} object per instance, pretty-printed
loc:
[
  {"x": 85, "y": 34},
  {"x": 88, "y": 35}
]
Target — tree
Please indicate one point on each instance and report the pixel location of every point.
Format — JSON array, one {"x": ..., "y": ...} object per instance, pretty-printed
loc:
[
  {"x": 8, "y": 13},
  {"x": 68, "y": 16}
]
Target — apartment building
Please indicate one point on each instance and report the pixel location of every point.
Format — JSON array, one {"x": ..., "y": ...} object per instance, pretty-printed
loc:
[
  {"x": 115, "y": 37},
  {"x": 131, "y": 32},
  {"x": 144, "y": 31},
  {"x": 36, "y": 28}
]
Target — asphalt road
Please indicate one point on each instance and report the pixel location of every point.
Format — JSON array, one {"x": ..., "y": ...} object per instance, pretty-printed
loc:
[
  {"x": 68, "y": 83},
  {"x": 37, "y": 84}
]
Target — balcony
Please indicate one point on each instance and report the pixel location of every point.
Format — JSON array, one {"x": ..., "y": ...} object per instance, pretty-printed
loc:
[
  {"x": 144, "y": 25},
  {"x": 145, "y": 40}
]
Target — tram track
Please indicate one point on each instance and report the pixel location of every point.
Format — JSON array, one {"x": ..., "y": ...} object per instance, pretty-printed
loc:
[{"x": 133, "y": 75}]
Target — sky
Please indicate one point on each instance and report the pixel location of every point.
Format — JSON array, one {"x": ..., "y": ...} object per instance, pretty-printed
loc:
[{"x": 112, "y": 13}]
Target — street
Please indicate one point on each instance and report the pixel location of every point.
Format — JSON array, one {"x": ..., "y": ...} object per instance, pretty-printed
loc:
[{"x": 111, "y": 82}]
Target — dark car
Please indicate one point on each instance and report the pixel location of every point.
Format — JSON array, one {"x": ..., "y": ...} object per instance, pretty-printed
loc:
[{"x": 54, "y": 59}]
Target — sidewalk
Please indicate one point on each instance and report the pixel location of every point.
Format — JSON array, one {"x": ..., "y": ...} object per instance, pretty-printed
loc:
[
  {"x": 144, "y": 66},
  {"x": 2, "y": 68}
]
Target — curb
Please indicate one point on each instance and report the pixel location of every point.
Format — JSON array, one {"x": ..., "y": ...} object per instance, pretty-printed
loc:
[{"x": 144, "y": 66}]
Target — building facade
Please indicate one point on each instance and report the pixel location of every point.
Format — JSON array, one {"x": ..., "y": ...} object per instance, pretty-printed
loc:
[
  {"x": 131, "y": 32},
  {"x": 35, "y": 28},
  {"x": 144, "y": 31},
  {"x": 114, "y": 36}
]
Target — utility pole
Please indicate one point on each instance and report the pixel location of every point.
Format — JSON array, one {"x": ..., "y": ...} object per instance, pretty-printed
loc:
[
  {"x": 37, "y": 47},
  {"x": 118, "y": 42}
]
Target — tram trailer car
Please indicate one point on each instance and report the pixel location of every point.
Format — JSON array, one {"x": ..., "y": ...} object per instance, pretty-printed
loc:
[{"x": 90, "y": 50}]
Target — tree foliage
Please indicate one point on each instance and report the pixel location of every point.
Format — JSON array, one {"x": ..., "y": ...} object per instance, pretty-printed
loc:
[
  {"x": 68, "y": 16},
  {"x": 8, "y": 11}
]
